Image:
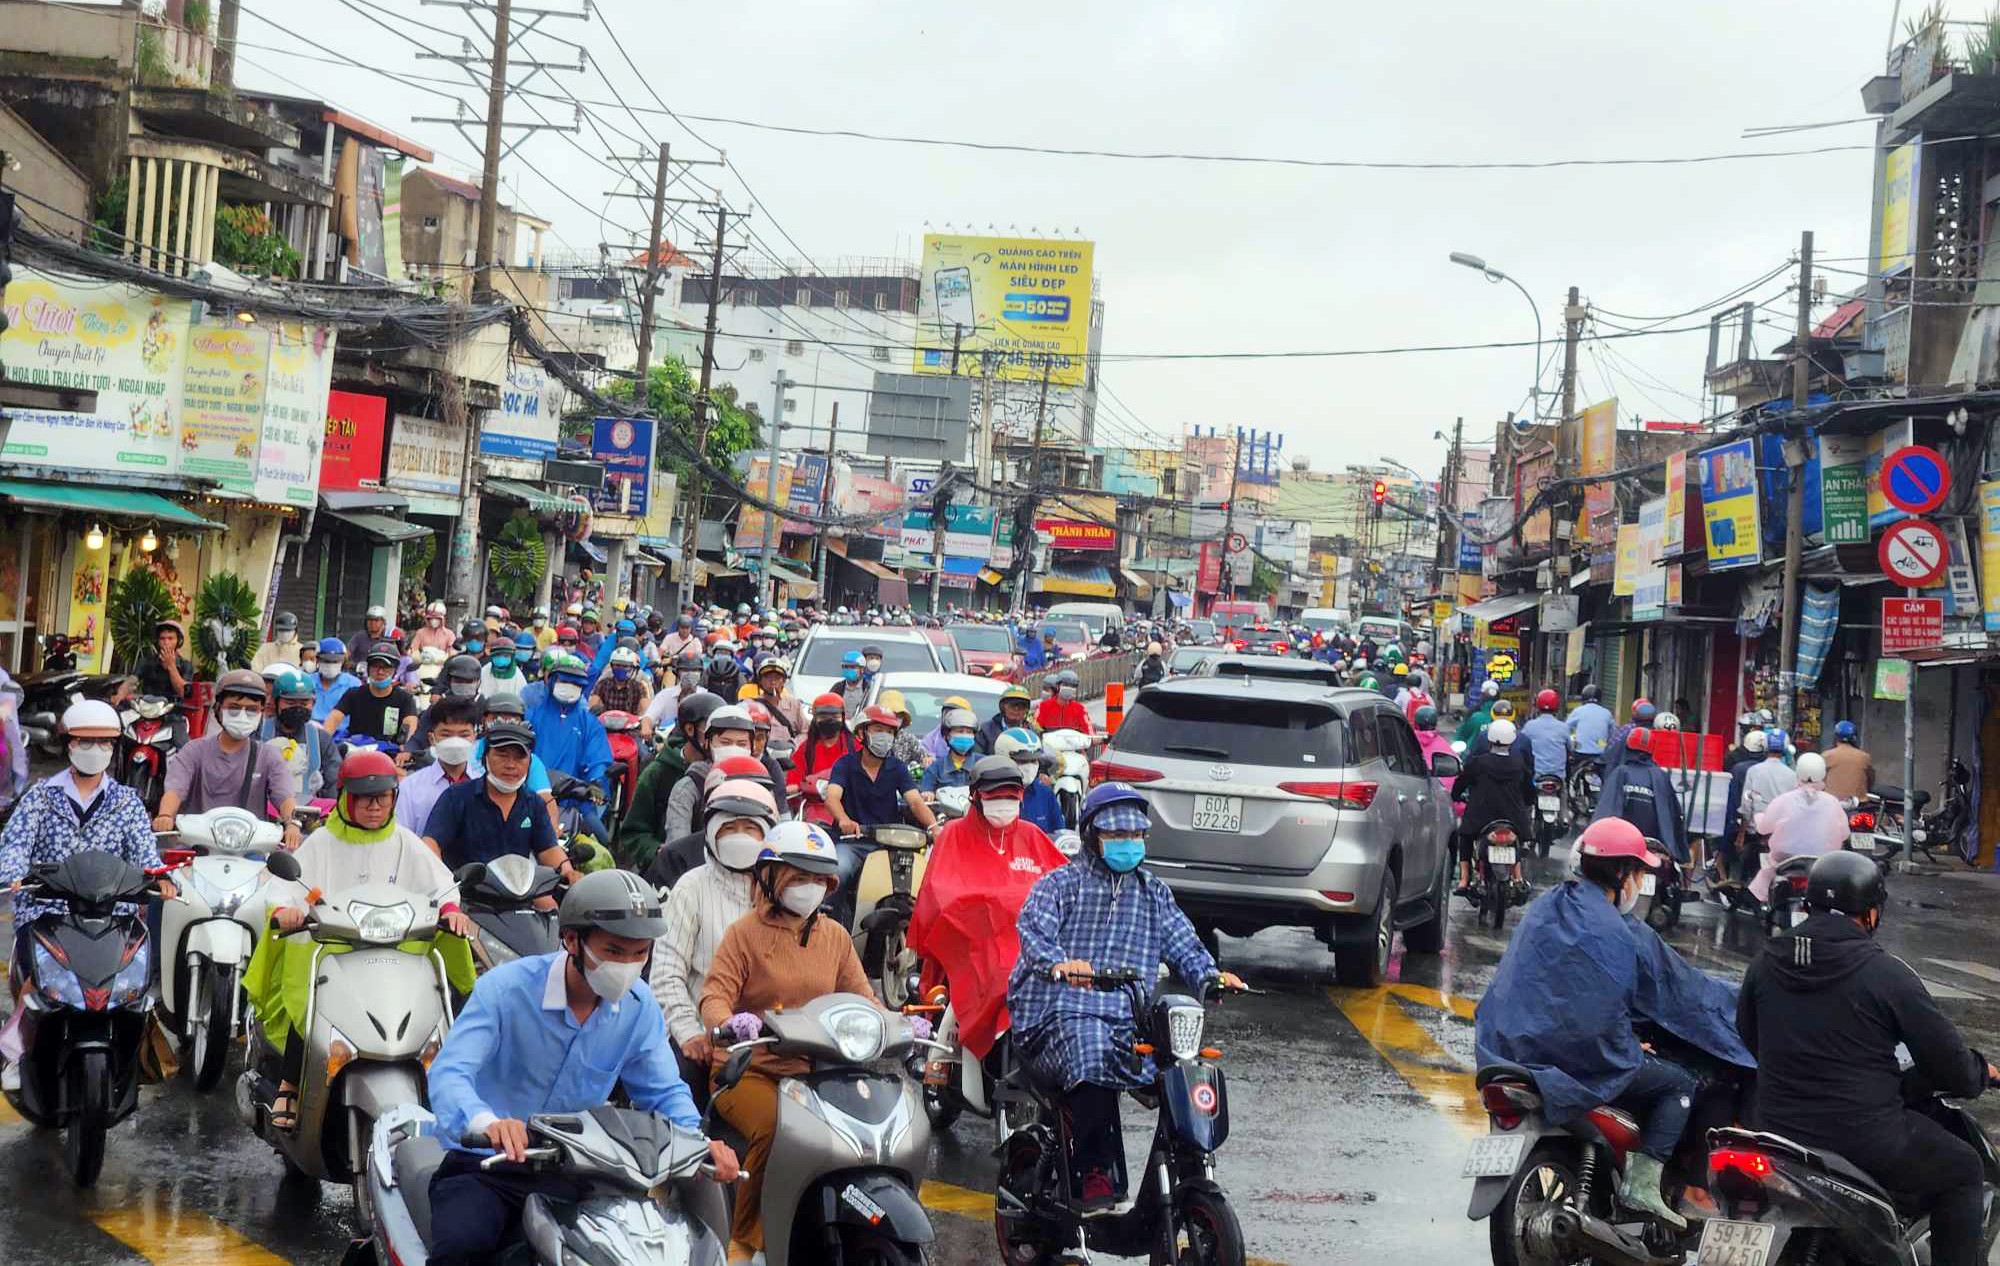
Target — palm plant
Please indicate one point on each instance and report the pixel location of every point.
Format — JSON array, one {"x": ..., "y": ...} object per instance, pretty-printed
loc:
[
  {"x": 134, "y": 607},
  {"x": 518, "y": 559},
  {"x": 225, "y": 623}
]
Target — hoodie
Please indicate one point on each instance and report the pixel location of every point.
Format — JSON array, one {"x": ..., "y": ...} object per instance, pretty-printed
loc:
[{"x": 1823, "y": 1009}]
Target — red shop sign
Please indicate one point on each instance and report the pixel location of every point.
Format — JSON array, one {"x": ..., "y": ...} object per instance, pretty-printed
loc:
[
  {"x": 1069, "y": 534},
  {"x": 354, "y": 428}
]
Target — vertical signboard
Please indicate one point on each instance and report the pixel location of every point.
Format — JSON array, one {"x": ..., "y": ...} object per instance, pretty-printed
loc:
[
  {"x": 1599, "y": 452},
  {"x": 1729, "y": 505},
  {"x": 1625, "y": 574},
  {"x": 1901, "y": 169},
  {"x": 625, "y": 446},
  {"x": 1676, "y": 525},
  {"x": 222, "y": 404},
  {"x": 290, "y": 451},
  {"x": 1843, "y": 489},
  {"x": 1989, "y": 552},
  {"x": 352, "y": 449},
  {"x": 1649, "y": 585}
]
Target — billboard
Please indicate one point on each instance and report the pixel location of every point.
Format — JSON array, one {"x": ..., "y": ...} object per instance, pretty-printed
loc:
[
  {"x": 1897, "y": 246},
  {"x": 1012, "y": 306},
  {"x": 625, "y": 446},
  {"x": 1729, "y": 505},
  {"x": 353, "y": 445},
  {"x": 1599, "y": 449},
  {"x": 530, "y": 413}
]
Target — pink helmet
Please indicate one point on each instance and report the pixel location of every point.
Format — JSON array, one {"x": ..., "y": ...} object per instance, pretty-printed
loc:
[{"x": 1615, "y": 837}]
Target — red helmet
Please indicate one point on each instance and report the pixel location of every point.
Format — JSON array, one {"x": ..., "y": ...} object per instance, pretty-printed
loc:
[
  {"x": 1547, "y": 701},
  {"x": 876, "y": 714},
  {"x": 1639, "y": 740},
  {"x": 1647, "y": 704},
  {"x": 565, "y": 631},
  {"x": 1615, "y": 837},
  {"x": 742, "y": 767},
  {"x": 829, "y": 702},
  {"x": 367, "y": 773},
  {"x": 760, "y": 716}
]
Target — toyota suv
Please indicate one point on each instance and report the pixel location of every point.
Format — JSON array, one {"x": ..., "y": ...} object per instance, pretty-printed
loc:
[
  {"x": 817, "y": 666},
  {"x": 1277, "y": 803}
]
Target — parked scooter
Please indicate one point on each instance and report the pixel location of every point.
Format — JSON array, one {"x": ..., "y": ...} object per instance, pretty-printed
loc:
[
  {"x": 150, "y": 737},
  {"x": 1782, "y": 1201},
  {"x": 376, "y": 1019},
  {"x": 1179, "y": 1213},
  {"x": 615, "y": 1158},
  {"x": 207, "y": 932},
  {"x": 46, "y": 695},
  {"x": 85, "y": 1005},
  {"x": 499, "y": 897},
  {"x": 885, "y": 896},
  {"x": 1070, "y": 750},
  {"x": 852, "y": 1142}
]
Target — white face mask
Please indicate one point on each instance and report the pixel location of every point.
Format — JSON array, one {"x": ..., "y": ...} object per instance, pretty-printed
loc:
[
  {"x": 737, "y": 850},
  {"x": 719, "y": 752},
  {"x": 803, "y": 899},
  {"x": 452, "y": 751},
  {"x": 239, "y": 724},
  {"x": 1065, "y": 693},
  {"x": 507, "y": 786},
  {"x": 566, "y": 692},
  {"x": 1001, "y": 812},
  {"x": 1628, "y": 898},
  {"x": 330, "y": 669},
  {"x": 610, "y": 981},
  {"x": 90, "y": 761}
]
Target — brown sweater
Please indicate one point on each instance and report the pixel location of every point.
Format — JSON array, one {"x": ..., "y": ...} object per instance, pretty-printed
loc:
[{"x": 760, "y": 965}]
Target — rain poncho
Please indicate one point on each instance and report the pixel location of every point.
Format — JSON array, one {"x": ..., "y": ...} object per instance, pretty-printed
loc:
[
  {"x": 1574, "y": 978},
  {"x": 964, "y": 924},
  {"x": 1803, "y": 822}
]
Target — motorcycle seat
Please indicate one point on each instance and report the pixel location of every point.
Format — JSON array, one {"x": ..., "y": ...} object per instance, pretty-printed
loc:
[
  {"x": 414, "y": 1161},
  {"x": 1502, "y": 1072}
]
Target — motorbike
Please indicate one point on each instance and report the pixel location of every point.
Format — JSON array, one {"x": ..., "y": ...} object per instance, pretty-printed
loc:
[
  {"x": 1781, "y": 1201},
  {"x": 499, "y": 897},
  {"x": 1549, "y": 820},
  {"x": 1179, "y": 1213},
  {"x": 586, "y": 851},
  {"x": 852, "y": 1142},
  {"x": 85, "y": 1003},
  {"x": 622, "y": 729},
  {"x": 1585, "y": 783},
  {"x": 1786, "y": 908},
  {"x": 1495, "y": 853},
  {"x": 1070, "y": 750},
  {"x": 46, "y": 695},
  {"x": 1664, "y": 891},
  {"x": 615, "y": 1158},
  {"x": 150, "y": 736},
  {"x": 208, "y": 931},
  {"x": 885, "y": 896},
  {"x": 954, "y": 1083},
  {"x": 376, "y": 1018}
]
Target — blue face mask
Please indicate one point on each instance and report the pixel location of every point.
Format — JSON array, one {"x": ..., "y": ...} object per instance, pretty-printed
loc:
[
  {"x": 852, "y": 674},
  {"x": 473, "y": 647},
  {"x": 1123, "y": 855},
  {"x": 621, "y": 674},
  {"x": 503, "y": 659},
  {"x": 960, "y": 743}
]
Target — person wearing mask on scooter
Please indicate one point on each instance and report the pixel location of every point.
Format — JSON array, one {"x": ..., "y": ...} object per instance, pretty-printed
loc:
[
  {"x": 331, "y": 680},
  {"x": 1012, "y": 714},
  {"x": 1480, "y": 717},
  {"x": 703, "y": 903},
  {"x": 1642, "y": 793},
  {"x": 624, "y": 687},
  {"x": 460, "y": 679},
  {"x": 1763, "y": 783},
  {"x": 501, "y": 674},
  {"x": 494, "y": 814},
  {"x": 374, "y": 630},
  {"x": 228, "y": 766},
  {"x": 1153, "y": 668},
  {"x": 1590, "y": 725},
  {"x": 1100, "y": 912},
  {"x": 76, "y": 810},
  {"x": 1495, "y": 786},
  {"x": 1850, "y": 771},
  {"x": 680, "y": 855},
  {"x": 1643, "y": 716},
  {"x": 360, "y": 843},
  {"x": 1803, "y": 822},
  {"x": 782, "y": 954},
  {"x": 1827, "y": 1012},
  {"x": 642, "y": 831},
  {"x": 570, "y": 739},
  {"x": 434, "y": 634},
  {"x": 676, "y": 643},
  {"x": 551, "y": 1033},
  {"x": 961, "y": 751},
  {"x": 1547, "y": 737},
  {"x": 827, "y": 743},
  {"x": 309, "y": 751},
  {"x": 853, "y": 691},
  {"x": 164, "y": 669},
  {"x": 683, "y": 678},
  {"x": 1063, "y": 710},
  {"x": 454, "y": 733},
  {"x": 1729, "y": 857},
  {"x": 788, "y": 715},
  {"x": 870, "y": 787},
  {"x": 730, "y": 732},
  {"x": 283, "y": 648},
  {"x": 381, "y": 709}
]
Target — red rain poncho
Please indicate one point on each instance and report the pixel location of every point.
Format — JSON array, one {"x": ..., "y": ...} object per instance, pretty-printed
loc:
[{"x": 964, "y": 924}]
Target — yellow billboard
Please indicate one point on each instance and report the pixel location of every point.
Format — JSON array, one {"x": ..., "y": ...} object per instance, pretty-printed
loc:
[
  {"x": 1897, "y": 246},
  {"x": 1008, "y": 307}
]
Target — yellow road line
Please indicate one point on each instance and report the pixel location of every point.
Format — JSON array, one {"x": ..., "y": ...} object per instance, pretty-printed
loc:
[
  {"x": 1461, "y": 1007},
  {"x": 1414, "y": 1054},
  {"x": 7, "y": 1114},
  {"x": 180, "y": 1235},
  {"x": 942, "y": 1197}
]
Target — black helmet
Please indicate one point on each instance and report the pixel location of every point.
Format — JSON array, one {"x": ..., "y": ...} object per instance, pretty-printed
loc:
[
  {"x": 1590, "y": 694},
  {"x": 461, "y": 668},
  {"x": 505, "y": 705},
  {"x": 510, "y": 734},
  {"x": 723, "y": 675},
  {"x": 695, "y": 708},
  {"x": 1846, "y": 883},
  {"x": 472, "y": 629},
  {"x": 996, "y": 771}
]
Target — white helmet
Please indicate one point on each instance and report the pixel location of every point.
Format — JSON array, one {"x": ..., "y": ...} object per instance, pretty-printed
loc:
[
  {"x": 1490, "y": 688},
  {"x": 91, "y": 714},
  {"x": 805, "y": 845},
  {"x": 1501, "y": 734},
  {"x": 1811, "y": 769},
  {"x": 435, "y": 608},
  {"x": 1666, "y": 721},
  {"x": 1753, "y": 741}
]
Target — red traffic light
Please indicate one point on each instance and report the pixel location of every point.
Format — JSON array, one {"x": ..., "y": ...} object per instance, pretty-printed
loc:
[{"x": 1381, "y": 491}]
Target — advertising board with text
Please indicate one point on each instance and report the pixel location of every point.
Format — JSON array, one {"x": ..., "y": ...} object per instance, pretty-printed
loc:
[
  {"x": 1070, "y": 534},
  {"x": 1910, "y": 624},
  {"x": 1729, "y": 505},
  {"x": 222, "y": 403},
  {"x": 530, "y": 413},
  {"x": 1989, "y": 553},
  {"x": 1012, "y": 307},
  {"x": 625, "y": 447},
  {"x": 1649, "y": 582},
  {"x": 1843, "y": 489},
  {"x": 1676, "y": 525},
  {"x": 1598, "y": 445},
  {"x": 355, "y": 427},
  {"x": 295, "y": 393},
  {"x": 426, "y": 455}
]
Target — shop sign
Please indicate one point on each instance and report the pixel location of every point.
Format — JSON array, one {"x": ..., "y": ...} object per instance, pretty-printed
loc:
[
  {"x": 426, "y": 455},
  {"x": 1729, "y": 505},
  {"x": 1208, "y": 568},
  {"x": 1989, "y": 552},
  {"x": 530, "y": 414},
  {"x": 1069, "y": 534},
  {"x": 1910, "y": 624},
  {"x": 1625, "y": 578},
  {"x": 1599, "y": 446},
  {"x": 352, "y": 456},
  {"x": 1649, "y": 584},
  {"x": 89, "y": 582},
  {"x": 295, "y": 396},
  {"x": 1843, "y": 489},
  {"x": 1676, "y": 527},
  {"x": 222, "y": 404},
  {"x": 126, "y": 344},
  {"x": 1897, "y": 435},
  {"x": 1892, "y": 679},
  {"x": 625, "y": 447}
]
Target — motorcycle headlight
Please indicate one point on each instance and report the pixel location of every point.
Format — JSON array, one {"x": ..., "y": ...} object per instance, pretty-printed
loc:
[
  {"x": 133, "y": 978},
  {"x": 1184, "y": 1026},
  {"x": 234, "y": 834},
  {"x": 57, "y": 983},
  {"x": 858, "y": 1032},
  {"x": 381, "y": 923}
]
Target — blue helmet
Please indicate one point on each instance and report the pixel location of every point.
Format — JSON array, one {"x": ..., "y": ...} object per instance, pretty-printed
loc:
[
  {"x": 1116, "y": 798},
  {"x": 626, "y": 626},
  {"x": 333, "y": 646},
  {"x": 1844, "y": 731},
  {"x": 1774, "y": 741},
  {"x": 525, "y": 642},
  {"x": 852, "y": 658}
]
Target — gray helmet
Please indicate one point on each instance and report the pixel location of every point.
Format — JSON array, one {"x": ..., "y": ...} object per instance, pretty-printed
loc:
[
  {"x": 617, "y": 901},
  {"x": 997, "y": 771},
  {"x": 507, "y": 704}
]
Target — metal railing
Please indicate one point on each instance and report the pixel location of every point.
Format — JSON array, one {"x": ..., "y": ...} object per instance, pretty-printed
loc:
[{"x": 1092, "y": 675}]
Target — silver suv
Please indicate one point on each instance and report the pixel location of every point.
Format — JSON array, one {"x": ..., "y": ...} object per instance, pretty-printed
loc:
[{"x": 1280, "y": 804}]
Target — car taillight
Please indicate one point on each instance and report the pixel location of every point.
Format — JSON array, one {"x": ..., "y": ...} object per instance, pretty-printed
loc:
[
  {"x": 1355, "y": 795},
  {"x": 1112, "y": 771},
  {"x": 1753, "y": 1165},
  {"x": 1861, "y": 821},
  {"x": 1507, "y": 1103}
]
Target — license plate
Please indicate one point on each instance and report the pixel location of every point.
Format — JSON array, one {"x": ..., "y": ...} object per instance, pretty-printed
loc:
[
  {"x": 1498, "y": 855},
  {"x": 1218, "y": 813},
  {"x": 1798, "y": 916},
  {"x": 1861, "y": 841},
  {"x": 1549, "y": 804},
  {"x": 1725, "y": 1243},
  {"x": 1495, "y": 1156},
  {"x": 1647, "y": 883}
]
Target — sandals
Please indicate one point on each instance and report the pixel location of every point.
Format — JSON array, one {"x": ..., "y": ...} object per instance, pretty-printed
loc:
[{"x": 284, "y": 1113}]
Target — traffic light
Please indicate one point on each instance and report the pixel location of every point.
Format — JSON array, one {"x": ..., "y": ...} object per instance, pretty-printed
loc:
[{"x": 1380, "y": 492}]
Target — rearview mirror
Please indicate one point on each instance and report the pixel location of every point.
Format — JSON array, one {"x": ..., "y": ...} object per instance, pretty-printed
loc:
[
  {"x": 1446, "y": 765},
  {"x": 284, "y": 866},
  {"x": 733, "y": 1069}
]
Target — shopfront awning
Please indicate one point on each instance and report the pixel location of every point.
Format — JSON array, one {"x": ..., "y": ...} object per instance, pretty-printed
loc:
[
  {"x": 379, "y": 527},
  {"x": 1084, "y": 580},
  {"x": 116, "y": 503},
  {"x": 362, "y": 499},
  {"x": 1500, "y": 608},
  {"x": 540, "y": 500},
  {"x": 592, "y": 551},
  {"x": 801, "y": 586},
  {"x": 1180, "y": 600},
  {"x": 1140, "y": 586},
  {"x": 874, "y": 569}
]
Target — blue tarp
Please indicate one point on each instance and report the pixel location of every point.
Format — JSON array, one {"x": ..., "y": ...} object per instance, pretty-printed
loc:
[
  {"x": 1179, "y": 599},
  {"x": 1819, "y": 616},
  {"x": 963, "y": 566}
]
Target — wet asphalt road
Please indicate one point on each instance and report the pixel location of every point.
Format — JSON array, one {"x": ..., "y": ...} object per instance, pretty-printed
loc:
[{"x": 1349, "y": 1114}]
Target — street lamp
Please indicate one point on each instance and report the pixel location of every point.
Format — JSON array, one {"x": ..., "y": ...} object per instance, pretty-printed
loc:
[{"x": 1494, "y": 275}]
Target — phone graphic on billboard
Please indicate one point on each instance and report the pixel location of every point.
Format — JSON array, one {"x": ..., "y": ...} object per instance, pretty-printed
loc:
[{"x": 953, "y": 288}]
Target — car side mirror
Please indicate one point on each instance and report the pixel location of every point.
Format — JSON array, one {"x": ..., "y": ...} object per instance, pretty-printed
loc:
[
  {"x": 733, "y": 1069},
  {"x": 284, "y": 866},
  {"x": 1446, "y": 765}
]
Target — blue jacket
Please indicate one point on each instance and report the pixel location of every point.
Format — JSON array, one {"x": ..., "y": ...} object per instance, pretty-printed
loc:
[
  {"x": 1549, "y": 737},
  {"x": 327, "y": 694},
  {"x": 1032, "y": 657},
  {"x": 1643, "y": 794},
  {"x": 1043, "y": 809},
  {"x": 569, "y": 738}
]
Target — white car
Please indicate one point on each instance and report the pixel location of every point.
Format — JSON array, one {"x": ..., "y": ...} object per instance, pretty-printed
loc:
[
  {"x": 816, "y": 667},
  {"x": 926, "y": 693}
]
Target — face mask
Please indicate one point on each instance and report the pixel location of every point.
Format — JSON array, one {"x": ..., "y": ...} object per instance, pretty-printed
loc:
[
  {"x": 1123, "y": 855},
  {"x": 1065, "y": 693},
  {"x": 330, "y": 670},
  {"x": 506, "y": 786},
  {"x": 803, "y": 899},
  {"x": 500, "y": 662},
  {"x": 239, "y": 724},
  {"x": 621, "y": 674},
  {"x": 852, "y": 674},
  {"x": 293, "y": 720},
  {"x": 381, "y": 685},
  {"x": 719, "y": 752},
  {"x": 436, "y": 621},
  {"x": 474, "y": 647},
  {"x": 566, "y": 692},
  {"x": 1628, "y": 898},
  {"x": 826, "y": 729},
  {"x": 90, "y": 761},
  {"x": 609, "y": 981},
  {"x": 960, "y": 743},
  {"x": 873, "y": 665},
  {"x": 452, "y": 751},
  {"x": 737, "y": 850},
  {"x": 464, "y": 689},
  {"x": 541, "y": 622},
  {"x": 1001, "y": 812},
  {"x": 879, "y": 744}
]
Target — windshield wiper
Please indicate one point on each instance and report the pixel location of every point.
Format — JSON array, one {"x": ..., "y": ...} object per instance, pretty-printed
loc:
[{"x": 1214, "y": 753}]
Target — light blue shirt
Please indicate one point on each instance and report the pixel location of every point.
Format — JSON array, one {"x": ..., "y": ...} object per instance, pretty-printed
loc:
[
  {"x": 517, "y": 1050},
  {"x": 1548, "y": 738},
  {"x": 328, "y": 693},
  {"x": 1590, "y": 728},
  {"x": 419, "y": 793}
]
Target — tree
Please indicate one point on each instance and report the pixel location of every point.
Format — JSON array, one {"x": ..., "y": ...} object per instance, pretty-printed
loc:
[{"x": 671, "y": 393}]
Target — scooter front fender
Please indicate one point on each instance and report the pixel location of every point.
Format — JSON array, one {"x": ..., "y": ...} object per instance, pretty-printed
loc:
[
  {"x": 895, "y": 1205},
  {"x": 222, "y": 941},
  {"x": 378, "y": 1089}
]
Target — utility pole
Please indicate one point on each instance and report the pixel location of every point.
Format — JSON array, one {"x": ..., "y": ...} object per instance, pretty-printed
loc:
[
  {"x": 770, "y": 551},
  {"x": 825, "y": 495},
  {"x": 1795, "y": 497},
  {"x": 691, "y": 535},
  {"x": 1229, "y": 517},
  {"x": 647, "y": 300},
  {"x": 1024, "y": 544},
  {"x": 1567, "y": 462},
  {"x": 940, "y": 511}
]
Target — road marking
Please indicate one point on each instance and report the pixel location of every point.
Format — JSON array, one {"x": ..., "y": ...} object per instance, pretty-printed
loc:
[
  {"x": 7, "y": 1114},
  {"x": 1414, "y": 1054},
  {"x": 1460, "y": 1007},
  {"x": 943, "y": 1197},
  {"x": 1950, "y": 994},
  {"x": 1980, "y": 970},
  {"x": 180, "y": 1235}
]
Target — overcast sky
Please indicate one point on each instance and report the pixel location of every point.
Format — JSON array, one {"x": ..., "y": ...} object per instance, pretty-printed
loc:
[{"x": 1204, "y": 257}]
